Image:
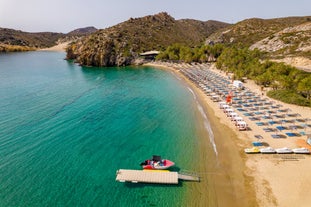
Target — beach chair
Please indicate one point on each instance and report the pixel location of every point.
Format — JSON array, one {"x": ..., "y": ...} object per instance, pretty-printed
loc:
[
  {"x": 257, "y": 136},
  {"x": 280, "y": 128},
  {"x": 268, "y": 129},
  {"x": 291, "y": 134},
  {"x": 254, "y": 118},
  {"x": 277, "y": 136},
  {"x": 248, "y": 114},
  {"x": 257, "y": 144},
  {"x": 272, "y": 122},
  {"x": 260, "y": 123},
  {"x": 302, "y": 133}
]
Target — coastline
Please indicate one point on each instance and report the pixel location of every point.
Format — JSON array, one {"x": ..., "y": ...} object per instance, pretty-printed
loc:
[
  {"x": 57, "y": 48},
  {"x": 227, "y": 185},
  {"x": 258, "y": 180}
]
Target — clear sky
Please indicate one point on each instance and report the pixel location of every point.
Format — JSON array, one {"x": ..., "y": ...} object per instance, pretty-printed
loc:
[{"x": 66, "y": 15}]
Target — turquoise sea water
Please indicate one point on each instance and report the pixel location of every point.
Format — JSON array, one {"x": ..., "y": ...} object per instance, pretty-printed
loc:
[{"x": 66, "y": 129}]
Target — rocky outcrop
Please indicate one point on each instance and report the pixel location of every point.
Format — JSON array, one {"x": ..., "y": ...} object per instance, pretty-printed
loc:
[
  {"x": 291, "y": 45},
  {"x": 82, "y": 31},
  {"x": 250, "y": 31},
  {"x": 121, "y": 44},
  {"x": 297, "y": 38},
  {"x": 16, "y": 40}
]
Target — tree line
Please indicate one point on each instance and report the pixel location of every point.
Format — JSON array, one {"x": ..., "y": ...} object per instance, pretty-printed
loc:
[
  {"x": 179, "y": 52},
  {"x": 288, "y": 83}
]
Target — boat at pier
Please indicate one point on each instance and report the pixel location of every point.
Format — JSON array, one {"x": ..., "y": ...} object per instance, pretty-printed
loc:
[{"x": 157, "y": 163}]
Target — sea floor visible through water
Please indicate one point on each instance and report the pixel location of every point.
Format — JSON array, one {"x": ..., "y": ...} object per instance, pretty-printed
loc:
[{"x": 67, "y": 129}]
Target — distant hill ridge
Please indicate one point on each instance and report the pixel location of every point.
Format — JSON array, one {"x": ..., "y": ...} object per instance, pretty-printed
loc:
[
  {"x": 20, "y": 40},
  {"x": 120, "y": 44},
  {"x": 287, "y": 41},
  {"x": 250, "y": 31},
  {"x": 82, "y": 31},
  {"x": 281, "y": 38}
]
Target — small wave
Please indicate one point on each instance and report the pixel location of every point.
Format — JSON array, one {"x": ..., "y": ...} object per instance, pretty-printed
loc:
[
  {"x": 191, "y": 91},
  {"x": 208, "y": 128},
  {"x": 176, "y": 76}
]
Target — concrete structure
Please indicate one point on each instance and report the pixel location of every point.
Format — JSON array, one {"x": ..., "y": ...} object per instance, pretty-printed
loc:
[{"x": 153, "y": 176}]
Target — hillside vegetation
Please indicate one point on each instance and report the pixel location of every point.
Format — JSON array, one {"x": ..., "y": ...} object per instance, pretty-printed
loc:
[
  {"x": 121, "y": 44},
  {"x": 16, "y": 40},
  {"x": 285, "y": 40},
  {"x": 295, "y": 40},
  {"x": 245, "y": 49},
  {"x": 250, "y": 31},
  {"x": 288, "y": 84}
]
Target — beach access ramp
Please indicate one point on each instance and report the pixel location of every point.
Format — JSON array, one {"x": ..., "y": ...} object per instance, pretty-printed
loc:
[{"x": 153, "y": 176}]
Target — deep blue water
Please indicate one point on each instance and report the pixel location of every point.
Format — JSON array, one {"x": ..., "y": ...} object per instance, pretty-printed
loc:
[{"x": 66, "y": 129}]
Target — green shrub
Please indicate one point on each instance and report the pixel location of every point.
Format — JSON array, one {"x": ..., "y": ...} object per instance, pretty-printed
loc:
[{"x": 289, "y": 96}]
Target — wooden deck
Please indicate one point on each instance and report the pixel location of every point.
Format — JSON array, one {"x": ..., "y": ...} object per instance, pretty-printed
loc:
[
  {"x": 152, "y": 176},
  {"x": 140, "y": 176}
]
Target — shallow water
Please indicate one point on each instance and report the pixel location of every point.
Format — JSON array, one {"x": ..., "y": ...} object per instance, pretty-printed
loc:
[{"x": 66, "y": 129}]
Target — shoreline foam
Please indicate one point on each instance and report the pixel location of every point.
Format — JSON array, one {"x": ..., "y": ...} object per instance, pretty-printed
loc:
[
  {"x": 269, "y": 177},
  {"x": 223, "y": 182}
]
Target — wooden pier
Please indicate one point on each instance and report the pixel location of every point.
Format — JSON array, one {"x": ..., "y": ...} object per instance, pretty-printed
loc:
[{"x": 152, "y": 176}]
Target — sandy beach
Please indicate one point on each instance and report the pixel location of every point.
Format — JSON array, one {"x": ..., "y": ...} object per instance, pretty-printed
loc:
[
  {"x": 59, "y": 48},
  {"x": 259, "y": 179}
]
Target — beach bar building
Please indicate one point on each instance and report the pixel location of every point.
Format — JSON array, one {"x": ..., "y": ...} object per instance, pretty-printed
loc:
[{"x": 150, "y": 55}]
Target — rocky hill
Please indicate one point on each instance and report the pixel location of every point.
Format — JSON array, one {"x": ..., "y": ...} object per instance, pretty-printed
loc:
[
  {"x": 291, "y": 45},
  {"x": 250, "y": 31},
  {"x": 121, "y": 44},
  {"x": 16, "y": 40},
  {"x": 285, "y": 40},
  {"x": 82, "y": 31},
  {"x": 291, "y": 40},
  {"x": 10, "y": 38}
]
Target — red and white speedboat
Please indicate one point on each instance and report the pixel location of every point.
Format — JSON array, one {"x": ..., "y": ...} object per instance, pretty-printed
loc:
[{"x": 156, "y": 163}]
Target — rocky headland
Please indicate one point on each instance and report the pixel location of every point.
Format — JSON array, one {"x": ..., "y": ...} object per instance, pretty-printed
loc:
[
  {"x": 15, "y": 40},
  {"x": 121, "y": 44}
]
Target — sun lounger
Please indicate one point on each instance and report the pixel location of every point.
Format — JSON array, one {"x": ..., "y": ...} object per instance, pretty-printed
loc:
[
  {"x": 304, "y": 125},
  {"x": 260, "y": 123},
  {"x": 266, "y": 117},
  {"x": 277, "y": 136},
  {"x": 281, "y": 128},
  {"x": 248, "y": 114},
  {"x": 290, "y": 134},
  {"x": 293, "y": 115},
  {"x": 258, "y": 136},
  {"x": 292, "y": 127},
  {"x": 272, "y": 122},
  {"x": 254, "y": 118},
  {"x": 268, "y": 129},
  {"x": 257, "y": 144},
  {"x": 302, "y": 133}
]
